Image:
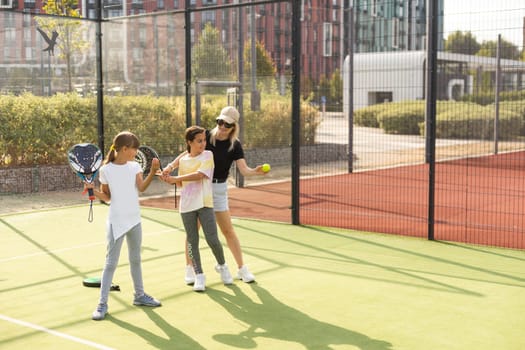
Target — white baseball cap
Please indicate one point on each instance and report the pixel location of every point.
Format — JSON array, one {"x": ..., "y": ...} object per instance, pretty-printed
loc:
[{"x": 229, "y": 114}]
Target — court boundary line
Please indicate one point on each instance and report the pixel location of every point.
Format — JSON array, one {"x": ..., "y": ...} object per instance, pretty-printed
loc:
[
  {"x": 55, "y": 333},
  {"x": 65, "y": 249}
]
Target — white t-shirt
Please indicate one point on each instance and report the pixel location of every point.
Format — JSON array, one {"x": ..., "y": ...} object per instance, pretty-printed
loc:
[
  {"x": 196, "y": 194},
  {"x": 124, "y": 210}
]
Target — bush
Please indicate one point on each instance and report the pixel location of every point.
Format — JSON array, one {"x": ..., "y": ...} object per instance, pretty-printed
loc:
[
  {"x": 367, "y": 116},
  {"x": 477, "y": 122},
  {"x": 516, "y": 107},
  {"x": 39, "y": 130},
  {"x": 487, "y": 98},
  {"x": 271, "y": 126},
  {"x": 402, "y": 118}
]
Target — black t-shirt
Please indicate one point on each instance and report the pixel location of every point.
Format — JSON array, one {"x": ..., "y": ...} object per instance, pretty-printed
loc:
[{"x": 223, "y": 158}]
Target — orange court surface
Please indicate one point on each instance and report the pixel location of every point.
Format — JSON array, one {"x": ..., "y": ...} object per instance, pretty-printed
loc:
[{"x": 477, "y": 200}]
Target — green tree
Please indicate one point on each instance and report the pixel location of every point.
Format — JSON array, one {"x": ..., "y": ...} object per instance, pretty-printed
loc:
[
  {"x": 508, "y": 49},
  {"x": 459, "y": 42},
  {"x": 336, "y": 87},
  {"x": 265, "y": 66},
  {"x": 210, "y": 59},
  {"x": 71, "y": 32}
]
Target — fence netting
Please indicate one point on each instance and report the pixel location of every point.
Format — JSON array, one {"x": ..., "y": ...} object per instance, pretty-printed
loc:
[{"x": 364, "y": 143}]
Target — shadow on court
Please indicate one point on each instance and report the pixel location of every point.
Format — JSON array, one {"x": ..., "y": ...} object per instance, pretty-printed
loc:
[
  {"x": 268, "y": 317},
  {"x": 173, "y": 335}
]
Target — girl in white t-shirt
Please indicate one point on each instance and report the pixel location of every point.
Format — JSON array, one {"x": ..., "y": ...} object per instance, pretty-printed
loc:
[
  {"x": 196, "y": 204},
  {"x": 121, "y": 181}
]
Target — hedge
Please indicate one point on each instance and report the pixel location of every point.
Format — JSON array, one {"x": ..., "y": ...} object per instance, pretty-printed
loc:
[
  {"x": 464, "y": 120},
  {"x": 39, "y": 130}
]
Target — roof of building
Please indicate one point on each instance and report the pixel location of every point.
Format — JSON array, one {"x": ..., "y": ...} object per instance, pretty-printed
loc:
[{"x": 400, "y": 59}]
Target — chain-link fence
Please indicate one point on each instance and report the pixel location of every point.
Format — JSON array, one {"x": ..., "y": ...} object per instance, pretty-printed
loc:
[{"x": 363, "y": 109}]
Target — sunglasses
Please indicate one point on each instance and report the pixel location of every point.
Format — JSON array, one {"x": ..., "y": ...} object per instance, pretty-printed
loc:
[{"x": 221, "y": 122}]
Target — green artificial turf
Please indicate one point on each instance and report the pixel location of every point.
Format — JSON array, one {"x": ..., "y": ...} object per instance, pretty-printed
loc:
[{"x": 316, "y": 288}]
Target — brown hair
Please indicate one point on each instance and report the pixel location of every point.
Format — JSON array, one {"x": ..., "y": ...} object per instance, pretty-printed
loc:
[
  {"x": 123, "y": 139},
  {"x": 191, "y": 133}
]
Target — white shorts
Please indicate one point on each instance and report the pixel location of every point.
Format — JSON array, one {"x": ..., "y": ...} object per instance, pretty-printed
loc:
[{"x": 220, "y": 196}]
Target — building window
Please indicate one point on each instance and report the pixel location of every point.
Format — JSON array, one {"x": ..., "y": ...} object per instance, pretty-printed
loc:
[
  {"x": 143, "y": 36},
  {"x": 9, "y": 20},
  {"x": 327, "y": 39},
  {"x": 208, "y": 17},
  {"x": 373, "y": 8},
  {"x": 27, "y": 20},
  {"x": 138, "y": 54},
  {"x": 29, "y": 53},
  {"x": 395, "y": 32},
  {"x": 10, "y": 35},
  {"x": 6, "y": 4},
  {"x": 27, "y": 37}
]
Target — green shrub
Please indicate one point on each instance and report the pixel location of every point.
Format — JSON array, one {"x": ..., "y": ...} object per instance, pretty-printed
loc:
[
  {"x": 516, "y": 107},
  {"x": 402, "y": 118},
  {"x": 486, "y": 98},
  {"x": 269, "y": 127},
  {"x": 39, "y": 130},
  {"x": 367, "y": 116},
  {"x": 477, "y": 122}
]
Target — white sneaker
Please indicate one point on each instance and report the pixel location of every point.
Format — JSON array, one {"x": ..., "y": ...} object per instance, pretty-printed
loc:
[
  {"x": 200, "y": 283},
  {"x": 225, "y": 273},
  {"x": 100, "y": 312},
  {"x": 189, "y": 275},
  {"x": 245, "y": 275}
]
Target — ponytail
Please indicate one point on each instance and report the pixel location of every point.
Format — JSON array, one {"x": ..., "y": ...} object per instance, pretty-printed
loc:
[{"x": 111, "y": 155}]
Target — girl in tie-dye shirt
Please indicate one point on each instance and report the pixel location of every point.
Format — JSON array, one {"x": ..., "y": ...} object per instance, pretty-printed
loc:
[{"x": 196, "y": 204}]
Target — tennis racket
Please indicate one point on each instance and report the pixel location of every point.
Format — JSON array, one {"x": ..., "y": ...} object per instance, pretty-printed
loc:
[
  {"x": 86, "y": 159},
  {"x": 144, "y": 157}
]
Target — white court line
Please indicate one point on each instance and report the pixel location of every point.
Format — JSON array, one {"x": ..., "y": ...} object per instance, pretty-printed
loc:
[
  {"x": 19, "y": 257},
  {"x": 55, "y": 333}
]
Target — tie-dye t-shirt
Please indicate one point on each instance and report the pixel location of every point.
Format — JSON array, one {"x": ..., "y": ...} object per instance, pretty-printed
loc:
[{"x": 196, "y": 194}]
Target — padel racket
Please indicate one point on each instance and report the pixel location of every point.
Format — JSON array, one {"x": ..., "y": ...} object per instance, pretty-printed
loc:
[
  {"x": 144, "y": 157},
  {"x": 86, "y": 159}
]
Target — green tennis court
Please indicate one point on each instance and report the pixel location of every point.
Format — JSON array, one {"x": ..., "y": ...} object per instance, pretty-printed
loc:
[{"x": 317, "y": 288}]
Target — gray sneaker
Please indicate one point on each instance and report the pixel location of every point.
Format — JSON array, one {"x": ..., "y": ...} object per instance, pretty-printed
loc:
[
  {"x": 100, "y": 312},
  {"x": 146, "y": 300}
]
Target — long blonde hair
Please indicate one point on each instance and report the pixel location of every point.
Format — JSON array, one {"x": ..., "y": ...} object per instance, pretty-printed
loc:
[
  {"x": 123, "y": 139},
  {"x": 232, "y": 136}
]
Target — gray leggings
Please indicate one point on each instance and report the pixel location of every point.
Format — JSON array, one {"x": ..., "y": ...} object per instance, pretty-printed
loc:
[
  {"x": 134, "y": 240},
  {"x": 206, "y": 217}
]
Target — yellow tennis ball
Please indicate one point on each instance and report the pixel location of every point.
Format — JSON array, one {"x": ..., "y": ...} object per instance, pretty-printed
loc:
[{"x": 266, "y": 167}]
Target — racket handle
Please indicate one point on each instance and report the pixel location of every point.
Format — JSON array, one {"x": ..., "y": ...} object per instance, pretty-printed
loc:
[{"x": 91, "y": 194}]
